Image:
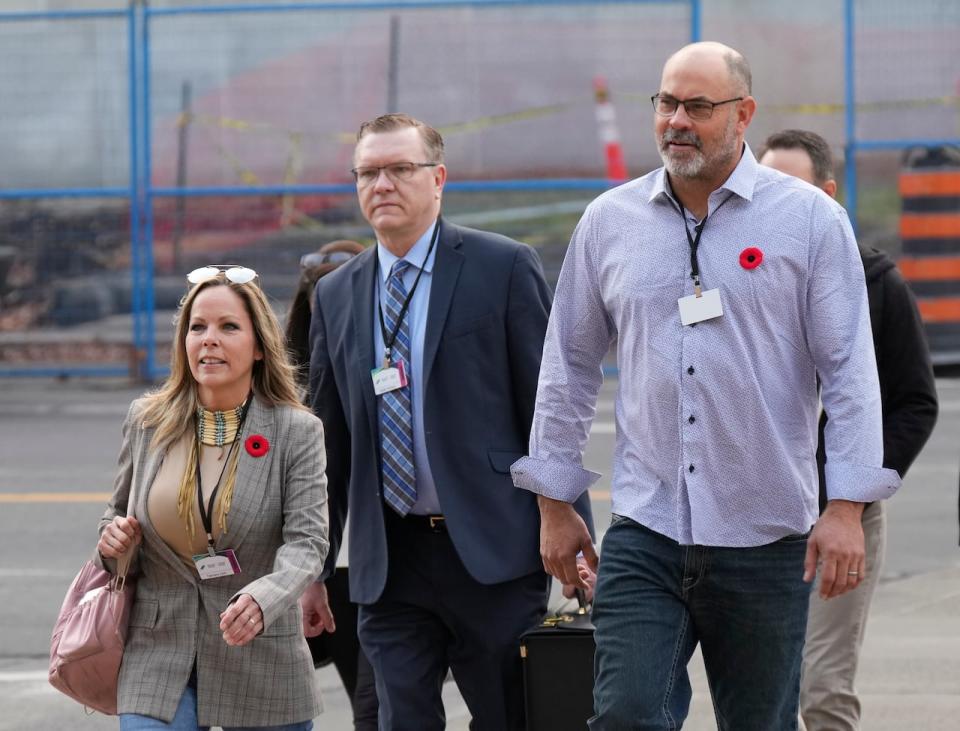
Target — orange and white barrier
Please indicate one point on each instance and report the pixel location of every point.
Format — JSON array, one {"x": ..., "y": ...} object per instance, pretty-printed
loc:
[{"x": 607, "y": 129}]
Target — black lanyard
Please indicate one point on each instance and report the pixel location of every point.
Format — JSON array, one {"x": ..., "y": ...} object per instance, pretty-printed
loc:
[
  {"x": 390, "y": 338},
  {"x": 695, "y": 243},
  {"x": 206, "y": 513}
]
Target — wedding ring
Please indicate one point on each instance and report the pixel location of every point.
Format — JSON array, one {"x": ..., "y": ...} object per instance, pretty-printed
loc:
[
  {"x": 252, "y": 620},
  {"x": 853, "y": 573}
]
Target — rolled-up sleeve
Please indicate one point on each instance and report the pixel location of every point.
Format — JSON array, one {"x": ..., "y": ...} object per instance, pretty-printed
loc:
[
  {"x": 841, "y": 341},
  {"x": 579, "y": 334}
]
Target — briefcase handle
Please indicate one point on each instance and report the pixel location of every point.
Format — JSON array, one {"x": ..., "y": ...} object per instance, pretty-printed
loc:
[{"x": 581, "y": 601}]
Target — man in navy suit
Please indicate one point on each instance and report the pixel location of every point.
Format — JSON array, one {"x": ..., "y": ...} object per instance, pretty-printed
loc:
[{"x": 425, "y": 352}]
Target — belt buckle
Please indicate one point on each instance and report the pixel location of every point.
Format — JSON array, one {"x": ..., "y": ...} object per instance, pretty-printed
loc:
[{"x": 436, "y": 521}]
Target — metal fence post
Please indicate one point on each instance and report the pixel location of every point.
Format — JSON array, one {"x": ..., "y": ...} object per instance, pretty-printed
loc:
[
  {"x": 149, "y": 324},
  {"x": 139, "y": 353},
  {"x": 850, "y": 121}
]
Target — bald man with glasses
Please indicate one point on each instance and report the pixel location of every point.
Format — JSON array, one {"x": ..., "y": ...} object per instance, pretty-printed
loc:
[{"x": 726, "y": 287}]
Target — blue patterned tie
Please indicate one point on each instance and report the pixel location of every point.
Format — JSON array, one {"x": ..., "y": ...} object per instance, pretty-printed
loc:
[{"x": 396, "y": 424}]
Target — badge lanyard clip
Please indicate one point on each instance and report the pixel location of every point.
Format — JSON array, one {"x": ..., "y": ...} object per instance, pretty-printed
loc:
[{"x": 694, "y": 245}]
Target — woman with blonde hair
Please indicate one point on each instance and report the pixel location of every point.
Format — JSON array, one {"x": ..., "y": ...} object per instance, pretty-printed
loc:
[{"x": 227, "y": 472}]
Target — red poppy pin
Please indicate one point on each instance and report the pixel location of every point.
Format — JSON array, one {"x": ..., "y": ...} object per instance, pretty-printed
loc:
[
  {"x": 257, "y": 445},
  {"x": 751, "y": 257}
]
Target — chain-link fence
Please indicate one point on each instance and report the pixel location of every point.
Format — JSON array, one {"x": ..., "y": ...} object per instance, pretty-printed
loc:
[{"x": 153, "y": 139}]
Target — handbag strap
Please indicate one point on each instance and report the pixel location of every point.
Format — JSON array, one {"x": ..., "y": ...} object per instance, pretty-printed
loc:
[{"x": 123, "y": 566}]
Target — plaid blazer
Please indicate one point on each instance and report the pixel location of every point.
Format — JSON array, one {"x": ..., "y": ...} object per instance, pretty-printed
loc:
[{"x": 278, "y": 528}]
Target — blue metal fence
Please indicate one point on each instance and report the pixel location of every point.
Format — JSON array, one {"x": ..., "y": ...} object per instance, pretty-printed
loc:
[
  {"x": 145, "y": 334},
  {"x": 854, "y": 144},
  {"x": 142, "y": 25},
  {"x": 141, "y": 194},
  {"x": 130, "y": 192}
]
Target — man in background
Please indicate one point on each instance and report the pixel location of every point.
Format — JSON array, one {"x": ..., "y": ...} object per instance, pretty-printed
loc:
[{"x": 835, "y": 628}]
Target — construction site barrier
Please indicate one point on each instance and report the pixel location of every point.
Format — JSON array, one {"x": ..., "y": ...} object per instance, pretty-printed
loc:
[{"x": 930, "y": 234}]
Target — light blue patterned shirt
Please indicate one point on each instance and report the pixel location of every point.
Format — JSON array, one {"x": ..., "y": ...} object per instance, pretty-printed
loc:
[
  {"x": 716, "y": 423},
  {"x": 428, "y": 502}
]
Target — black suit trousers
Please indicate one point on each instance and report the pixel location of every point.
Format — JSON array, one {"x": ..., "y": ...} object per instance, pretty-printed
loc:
[{"x": 432, "y": 616}]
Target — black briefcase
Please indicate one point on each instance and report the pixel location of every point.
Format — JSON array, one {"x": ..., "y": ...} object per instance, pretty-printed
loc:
[{"x": 558, "y": 672}]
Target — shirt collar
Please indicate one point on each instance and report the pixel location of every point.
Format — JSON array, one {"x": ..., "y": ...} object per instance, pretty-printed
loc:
[
  {"x": 415, "y": 256},
  {"x": 743, "y": 179},
  {"x": 741, "y": 182}
]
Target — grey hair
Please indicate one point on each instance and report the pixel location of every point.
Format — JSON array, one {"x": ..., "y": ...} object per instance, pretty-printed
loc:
[{"x": 739, "y": 71}]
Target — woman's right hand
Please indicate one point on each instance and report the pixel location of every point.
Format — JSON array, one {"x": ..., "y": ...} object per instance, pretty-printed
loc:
[{"x": 119, "y": 536}]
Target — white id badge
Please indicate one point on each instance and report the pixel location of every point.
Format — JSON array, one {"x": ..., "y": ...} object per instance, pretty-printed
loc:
[
  {"x": 695, "y": 309},
  {"x": 213, "y": 567},
  {"x": 388, "y": 379}
]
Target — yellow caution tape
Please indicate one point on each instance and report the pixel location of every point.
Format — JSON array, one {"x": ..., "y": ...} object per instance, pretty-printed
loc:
[
  {"x": 825, "y": 108},
  {"x": 295, "y": 137}
]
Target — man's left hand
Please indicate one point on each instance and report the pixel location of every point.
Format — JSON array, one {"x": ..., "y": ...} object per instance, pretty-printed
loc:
[{"x": 837, "y": 543}]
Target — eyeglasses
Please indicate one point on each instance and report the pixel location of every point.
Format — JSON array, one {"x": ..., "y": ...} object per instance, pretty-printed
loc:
[
  {"x": 396, "y": 171},
  {"x": 232, "y": 272},
  {"x": 316, "y": 258},
  {"x": 699, "y": 110}
]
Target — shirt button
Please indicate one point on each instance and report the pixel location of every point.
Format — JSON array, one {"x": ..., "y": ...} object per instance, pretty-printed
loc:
[
  {"x": 690, "y": 370},
  {"x": 692, "y": 418},
  {"x": 691, "y": 468}
]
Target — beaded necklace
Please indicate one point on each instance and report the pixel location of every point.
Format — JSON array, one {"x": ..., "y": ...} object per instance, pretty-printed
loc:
[{"x": 214, "y": 429}]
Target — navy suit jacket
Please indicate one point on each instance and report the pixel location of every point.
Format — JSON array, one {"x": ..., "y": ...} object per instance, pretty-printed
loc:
[{"x": 486, "y": 321}]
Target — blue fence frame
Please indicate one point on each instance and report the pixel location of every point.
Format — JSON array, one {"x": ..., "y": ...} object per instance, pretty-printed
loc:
[
  {"x": 853, "y": 145},
  {"x": 140, "y": 192},
  {"x": 35, "y": 193}
]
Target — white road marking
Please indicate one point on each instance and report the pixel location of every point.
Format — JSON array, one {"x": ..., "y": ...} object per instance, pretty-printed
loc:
[{"x": 30, "y": 676}]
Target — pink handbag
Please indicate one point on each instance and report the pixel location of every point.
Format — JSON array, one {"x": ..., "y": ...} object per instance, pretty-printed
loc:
[{"x": 87, "y": 644}]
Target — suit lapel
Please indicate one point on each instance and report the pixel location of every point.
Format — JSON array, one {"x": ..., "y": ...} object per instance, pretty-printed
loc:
[
  {"x": 362, "y": 289},
  {"x": 446, "y": 271},
  {"x": 252, "y": 475}
]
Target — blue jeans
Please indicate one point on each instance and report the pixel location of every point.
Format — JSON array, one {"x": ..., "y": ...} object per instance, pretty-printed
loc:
[
  {"x": 655, "y": 600},
  {"x": 186, "y": 719}
]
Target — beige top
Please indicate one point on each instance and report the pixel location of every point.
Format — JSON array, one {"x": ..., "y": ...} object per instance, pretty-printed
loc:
[{"x": 162, "y": 499}]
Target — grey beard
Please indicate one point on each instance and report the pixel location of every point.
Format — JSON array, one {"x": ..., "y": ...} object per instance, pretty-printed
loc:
[
  {"x": 700, "y": 166},
  {"x": 689, "y": 168}
]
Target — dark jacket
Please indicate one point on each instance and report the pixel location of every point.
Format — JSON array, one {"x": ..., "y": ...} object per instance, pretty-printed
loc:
[
  {"x": 486, "y": 320},
  {"x": 907, "y": 389}
]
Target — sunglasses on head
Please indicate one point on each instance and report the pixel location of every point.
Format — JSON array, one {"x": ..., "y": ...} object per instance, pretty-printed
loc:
[
  {"x": 316, "y": 258},
  {"x": 231, "y": 272}
]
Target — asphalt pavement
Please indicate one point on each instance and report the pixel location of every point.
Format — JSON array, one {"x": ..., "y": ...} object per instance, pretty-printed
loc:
[{"x": 58, "y": 442}]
